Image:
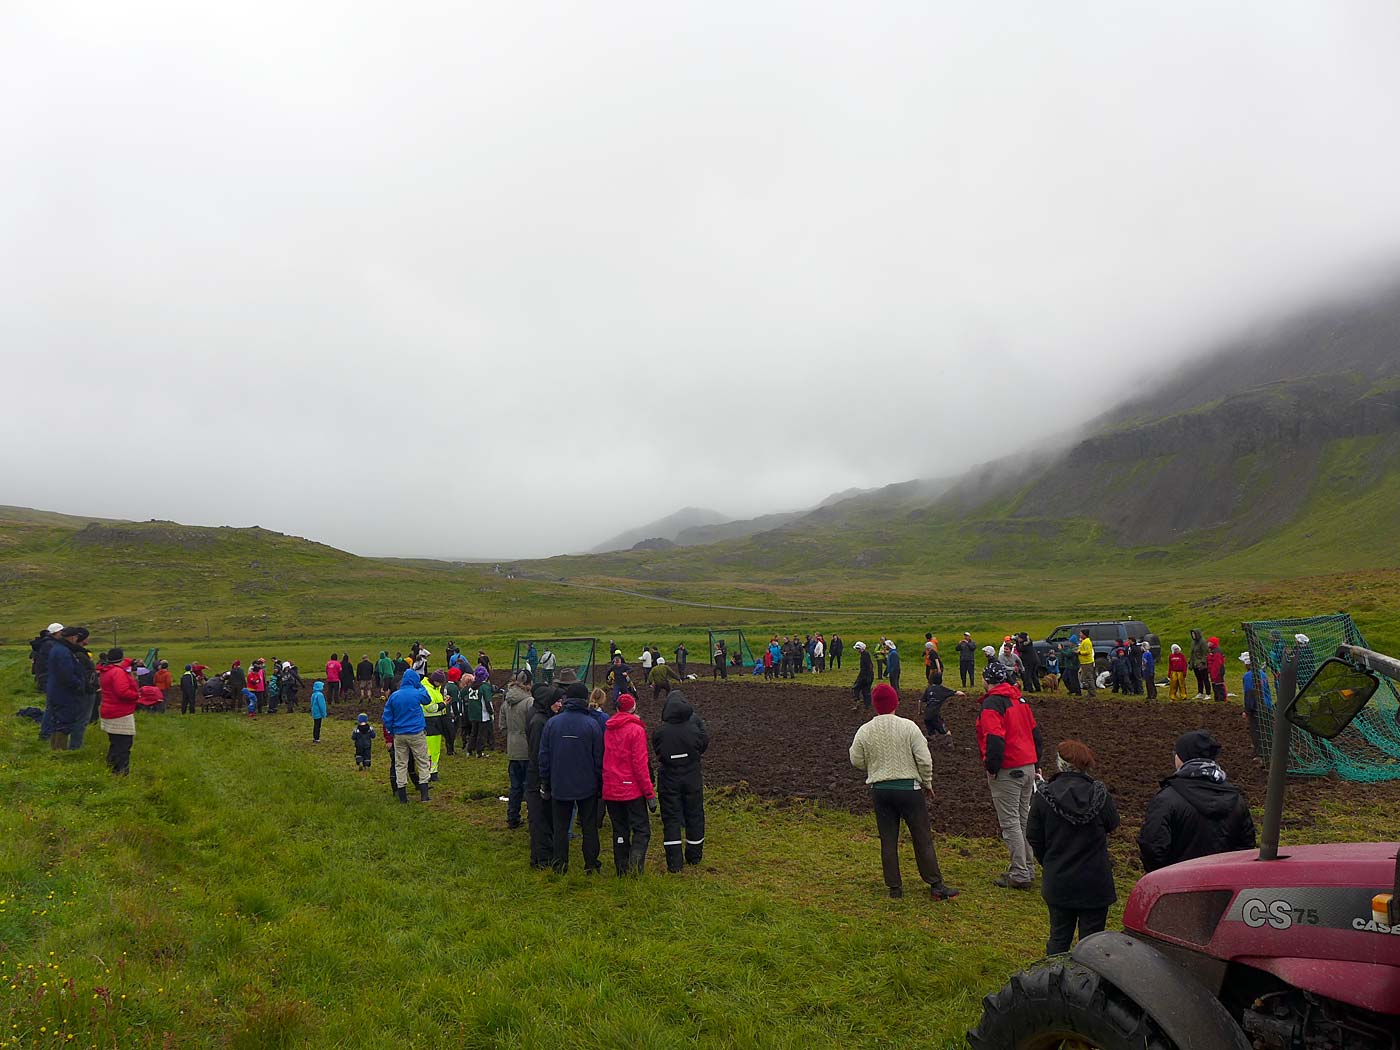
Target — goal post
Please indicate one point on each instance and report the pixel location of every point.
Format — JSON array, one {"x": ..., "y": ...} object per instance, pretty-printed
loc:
[
  {"x": 734, "y": 642},
  {"x": 577, "y": 654}
]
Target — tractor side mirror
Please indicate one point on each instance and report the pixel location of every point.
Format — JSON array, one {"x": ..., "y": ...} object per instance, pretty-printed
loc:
[{"x": 1334, "y": 695}]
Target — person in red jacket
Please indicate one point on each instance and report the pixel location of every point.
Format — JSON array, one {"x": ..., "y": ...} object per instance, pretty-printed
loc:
[
  {"x": 257, "y": 682},
  {"x": 1215, "y": 667},
  {"x": 627, "y": 787},
  {"x": 117, "y": 712},
  {"x": 1010, "y": 744},
  {"x": 1176, "y": 674}
]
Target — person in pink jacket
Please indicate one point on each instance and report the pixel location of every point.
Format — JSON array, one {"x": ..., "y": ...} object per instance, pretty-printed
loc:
[
  {"x": 627, "y": 788},
  {"x": 333, "y": 679}
]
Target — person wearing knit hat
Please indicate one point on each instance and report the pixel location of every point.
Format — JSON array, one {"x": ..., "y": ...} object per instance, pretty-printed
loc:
[
  {"x": 476, "y": 696},
  {"x": 892, "y": 753},
  {"x": 1072, "y": 816},
  {"x": 865, "y": 678},
  {"x": 1010, "y": 744},
  {"x": 570, "y": 771},
  {"x": 627, "y": 788},
  {"x": 1197, "y": 812}
]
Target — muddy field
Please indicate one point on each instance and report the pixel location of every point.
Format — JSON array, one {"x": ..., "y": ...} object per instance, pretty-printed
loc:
[{"x": 788, "y": 742}]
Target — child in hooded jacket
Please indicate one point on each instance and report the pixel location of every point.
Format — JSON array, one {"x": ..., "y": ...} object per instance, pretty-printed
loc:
[
  {"x": 318, "y": 710},
  {"x": 363, "y": 737},
  {"x": 1215, "y": 667}
]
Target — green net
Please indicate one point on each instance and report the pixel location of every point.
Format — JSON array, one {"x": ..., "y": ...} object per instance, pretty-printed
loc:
[
  {"x": 575, "y": 653},
  {"x": 1368, "y": 750},
  {"x": 734, "y": 642}
]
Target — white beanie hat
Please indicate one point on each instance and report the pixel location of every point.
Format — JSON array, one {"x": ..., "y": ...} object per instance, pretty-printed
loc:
[
  {"x": 860, "y": 646},
  {"x": 989, "y": 650},
  {"x": 54, "y": 628},
  {"x": 1244, "y": 658}
]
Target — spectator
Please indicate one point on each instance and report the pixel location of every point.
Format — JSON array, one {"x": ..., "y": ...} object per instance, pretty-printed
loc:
[
  {"x": 364, "y": 676},
  {"x": 1176, "y": 674},
  {"x": 721, "y": 656},
  {"x": 257, "y": 684},
  {"x": 118, "y": 712},
  {"x": 865, "y": 678},
  {"x": 1134, "y": 667},
  {"x": 1197, "y": 812},
  {"x": 1215, "y": 667},
  {"x": 1069, "y": 664},
  {"x": 892, "y": 665},
  {"x": 967, "y": 660},
  {"x": 403, "y": 718},
  {"x": 383, "y": 673},
  {"x": 935, "y": 696},
  {"x": 363, "y": 738},
  {"x": 894, "y": 757},
  {"x": 532, "y": 659},
  {"x": 318, "y": 710},
  {"x": 571, "y": 772},
  {"x": 516, "y": 710},
  {"x": 1087, "y": 672},
  {"x": 39, "y": 659},
  {"x": 434, "y": 704},
  {"x": 1029, "y": 661},
  {"x": 274, "y": 686},
  {"x": 1200, "y": 664},
  {"x": 680, "y": 742},
  {"x": 546, "y": 701},
  {"x": 1009, "y": 740},
  {"x": 837, "y": 645},
  {"x": 347, "y": 677},
  {"x": 645, "y": 661},
  {"x": 66, "y": 688},
  {"x": 1255, "y": 688},
  {"x": 1148, "y": 663},
  {"x": 189, "y": 690},
  {"x": 237, "y": 678},
  {"x": 681, "y": 655},
  {"x": 162, "y": 680},
  {"x": 1071, "y": 819},
  {"x": 290, "y": 684},
  {"x": 627, "y": 789},
  {"x": 548, "y": 662}
]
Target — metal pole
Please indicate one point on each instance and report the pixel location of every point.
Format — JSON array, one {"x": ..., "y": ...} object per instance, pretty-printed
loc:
[{"x": 1278, "y": 758}]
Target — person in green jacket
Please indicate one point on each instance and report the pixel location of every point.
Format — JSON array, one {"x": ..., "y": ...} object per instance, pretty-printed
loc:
[
  {"x": 384, "y": 673},
  {"x": 479, "y": 716}
]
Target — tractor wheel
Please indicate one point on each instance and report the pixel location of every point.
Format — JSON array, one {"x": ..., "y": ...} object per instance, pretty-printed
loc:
[{"x": 1060, "y": 1005}]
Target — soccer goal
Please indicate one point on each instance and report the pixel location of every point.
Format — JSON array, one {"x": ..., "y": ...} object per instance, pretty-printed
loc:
[
  {"x": 552, "y": 655},
  {"x": 734, "y": 642}
]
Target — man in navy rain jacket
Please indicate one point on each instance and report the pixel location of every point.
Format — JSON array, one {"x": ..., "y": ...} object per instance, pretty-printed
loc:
[{"x": 571, "y": 774}]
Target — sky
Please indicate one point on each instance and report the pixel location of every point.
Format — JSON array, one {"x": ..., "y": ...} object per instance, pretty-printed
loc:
[{"x": 500, "y": 280}]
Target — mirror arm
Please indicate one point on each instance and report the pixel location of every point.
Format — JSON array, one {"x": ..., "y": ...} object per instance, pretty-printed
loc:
[
  {"x": 1370, "y": 660},
  {"x": 1278, "y": 757}
]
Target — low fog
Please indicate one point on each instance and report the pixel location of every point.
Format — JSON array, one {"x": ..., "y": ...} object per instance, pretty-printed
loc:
[{"x": 504, "y": 279}]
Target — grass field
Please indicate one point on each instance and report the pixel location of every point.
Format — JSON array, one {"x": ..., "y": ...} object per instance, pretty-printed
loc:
[{"x": 244, "y": 888}]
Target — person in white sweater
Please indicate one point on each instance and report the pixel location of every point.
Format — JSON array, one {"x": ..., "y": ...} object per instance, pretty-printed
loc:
[{"x": 894, "y": 756}]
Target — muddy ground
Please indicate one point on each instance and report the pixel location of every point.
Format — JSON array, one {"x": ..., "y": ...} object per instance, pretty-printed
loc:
[{"x": 788, "y": 742}]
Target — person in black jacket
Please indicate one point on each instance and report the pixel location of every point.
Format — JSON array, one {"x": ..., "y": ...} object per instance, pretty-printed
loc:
[
  {"x": 39, "y": 647},
  {"x": 546, "y": 702},
  {"x": 865, "y": 678},
  {"x": 1071, "y": 819},
  {"x": 1198, "y": 812},
  {"x": 679, "y": 742},
  {"x": 1030, "y": 662},
  {"x": 189, "y": 690}
]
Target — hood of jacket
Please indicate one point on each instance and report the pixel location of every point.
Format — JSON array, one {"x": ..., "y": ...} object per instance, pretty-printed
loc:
[
  {"x": 621, "y": 720},
  {"x": 576, "y": 703},
  {"x": 516, "y": 694},
  {"x": 677, "y": 709},
  {"x": 1210, "y": 797},
  {"x": 1075, "y": 797},
  {"x": 411, "y": 680},
  {"x": 319, "y": 687}
]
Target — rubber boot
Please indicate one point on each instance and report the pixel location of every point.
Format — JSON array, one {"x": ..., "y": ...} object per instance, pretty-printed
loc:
[
  {"x": 403, "y": 794},
  {"x": 58, "y": 741},
  {"x": 423, "y": 792}
]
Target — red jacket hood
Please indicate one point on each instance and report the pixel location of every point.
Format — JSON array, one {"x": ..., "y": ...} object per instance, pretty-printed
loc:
[
  {"x": 623, "y": 719},
  {"x": 1005, "y": 689}
]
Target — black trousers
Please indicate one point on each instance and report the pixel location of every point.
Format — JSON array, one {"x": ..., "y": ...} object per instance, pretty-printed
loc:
[
  {"x": 315, "y": 729},
  {"x": 119, "y": 752},
  {"x": 1071, "y": 681},
  {"x": 1202, "y": 682},
  {"x": 631, "y": 834},
  {"x": 893, "y": 807},
  {"x": 861, "y": 692},
  {"x": 480, "y": 737},
  {"x": 541, "y": 817},
  {"x": 894, "y": 678},
  {"x": 680, "y": 668},
  {"x": 836, "y": 659},
  {"x": 1064, "y": 920},
  {"x": 1252, "y": 719},
  {"x": 186, "y": 704},
  {"x": 682, "y": 823},
  {"x": 967, "y": 674},
  {"x": 588, "y": 821}
]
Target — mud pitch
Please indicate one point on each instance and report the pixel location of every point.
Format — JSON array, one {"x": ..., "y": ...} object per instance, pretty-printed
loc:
[{"x": 790, "y": 743}]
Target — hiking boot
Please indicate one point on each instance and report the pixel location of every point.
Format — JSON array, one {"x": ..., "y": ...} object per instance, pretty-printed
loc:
[
  {"x": 1005, "y": 881},
  {"x": 402, "y": 793},
  {"x": 942, "y": 892},
  {"x": 896, "y": 892},
  {"x": 433, "y": 778},
  {"x": 423, "y": 792}
]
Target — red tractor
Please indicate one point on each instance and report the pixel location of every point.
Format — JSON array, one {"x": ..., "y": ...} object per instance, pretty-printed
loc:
[{"x": 1298, "y": 950}]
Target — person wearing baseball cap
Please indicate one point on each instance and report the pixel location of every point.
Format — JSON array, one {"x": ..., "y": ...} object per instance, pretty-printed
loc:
[
  {"x": 892, "y": 753},
  {"x": 967, "y": 661},
  {"x": 865, "y": 678},
  {"x": 39, "y": 649},
  {"x": 1197, "y": 812}
]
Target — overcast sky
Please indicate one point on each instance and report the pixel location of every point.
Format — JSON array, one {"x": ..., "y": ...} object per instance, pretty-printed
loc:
[{"x": 502, "y": 279}]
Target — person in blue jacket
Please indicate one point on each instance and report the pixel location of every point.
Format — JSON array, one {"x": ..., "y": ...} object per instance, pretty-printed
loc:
[
  {"x": 403, "y": 717},
  {"x": 892, "y": 663},
  {"x": 531, "y": 659},
  {"x": 1148, "y": 666},
  {"x": 571, "y": 776},
  {"x": 318, "y": 710},
  {"x": 1256, "y": 690}
]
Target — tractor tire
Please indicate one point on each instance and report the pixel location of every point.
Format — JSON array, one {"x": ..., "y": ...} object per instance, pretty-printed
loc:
[{"x": 1060, "y": 1005}]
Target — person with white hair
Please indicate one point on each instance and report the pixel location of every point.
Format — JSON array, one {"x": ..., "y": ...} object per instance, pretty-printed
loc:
[
  {"x": 1176, "y": 674},
  {"x": 865, "y": 678}
]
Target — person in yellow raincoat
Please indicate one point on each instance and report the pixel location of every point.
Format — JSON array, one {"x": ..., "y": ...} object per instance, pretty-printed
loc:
[{"x": 434, "y": 717}]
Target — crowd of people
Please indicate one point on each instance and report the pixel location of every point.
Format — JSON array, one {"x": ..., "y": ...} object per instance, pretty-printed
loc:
[{"x": 577, "y": 757}]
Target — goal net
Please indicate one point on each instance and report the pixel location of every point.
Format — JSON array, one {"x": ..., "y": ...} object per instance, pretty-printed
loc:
[
  {"x": 575, "y": 653},
  {"x": 734, "y": 642}
]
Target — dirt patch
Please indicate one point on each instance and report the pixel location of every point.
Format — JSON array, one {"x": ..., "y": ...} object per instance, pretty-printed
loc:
[{"x": 786, "y": 742}]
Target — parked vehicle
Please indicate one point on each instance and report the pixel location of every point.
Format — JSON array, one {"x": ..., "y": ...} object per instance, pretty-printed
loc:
[{"x": 1106, "y": 635}]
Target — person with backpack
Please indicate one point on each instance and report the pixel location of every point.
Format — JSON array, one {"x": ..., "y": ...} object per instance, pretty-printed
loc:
[
  {"x": 1072, "y": 816},
  {"x": 547, "y": 664},
  {"x": 865, "y": 678},
  {"x": 679, "y": 743},
  {"x": 1197, "y": 812}
]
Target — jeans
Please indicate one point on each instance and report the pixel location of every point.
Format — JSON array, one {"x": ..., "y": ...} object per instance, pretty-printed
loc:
[
  {"x": 893, "y": 806},
  {"x": 81, "y": 722},
  {"x": 515, "y": 769},
  {"x": 1063, "y": 922},
  {"x": 587, "y": 809},
  {"x": 631, "y": 833},
  {"x": 1012, "y": 790}
]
